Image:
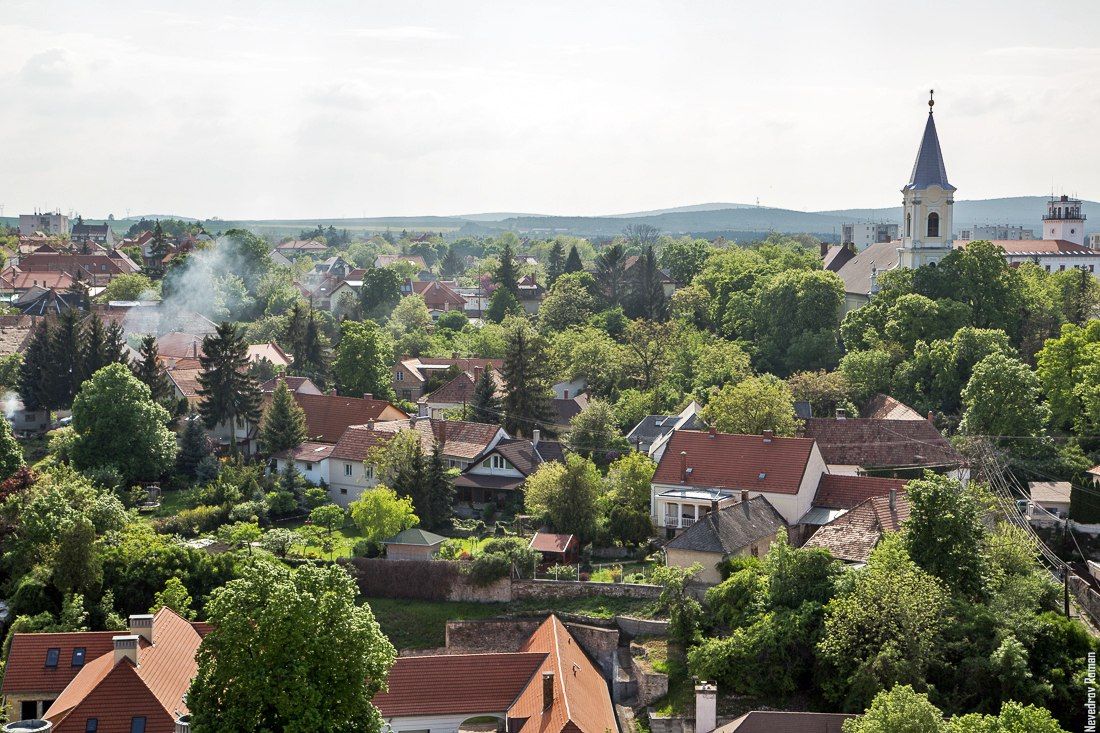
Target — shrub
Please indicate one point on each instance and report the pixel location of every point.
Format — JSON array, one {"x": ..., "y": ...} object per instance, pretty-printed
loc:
[
  {"x": 486, "y": 569},
  {"x": 190, "y": 522},
  {"x": 249, "y": 511},
  {"x": 562, "y": 572}
]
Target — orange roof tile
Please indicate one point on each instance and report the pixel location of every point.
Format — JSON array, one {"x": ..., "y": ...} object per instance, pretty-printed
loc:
[
  {"x": 456, "y": 683},
  {"x": 726, "y": 461},
  {"x": 328, "y": 416},
  {"x": 26, "y": 665},
  {"x": 844, "y": 492},
  {"x": 853, "y": 535},
  {"x": 550, "y": 542}
]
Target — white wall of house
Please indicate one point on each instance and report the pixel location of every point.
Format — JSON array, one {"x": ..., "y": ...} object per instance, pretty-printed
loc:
[
  {"x": 496, "y": 465},
  {"x": 348, "y": 480},
  {"x": 433, "y": 723}
]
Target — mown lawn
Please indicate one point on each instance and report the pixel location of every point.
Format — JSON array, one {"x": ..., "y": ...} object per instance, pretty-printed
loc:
[
  {"x": 343, "y": 541},
  {"x": 421, "y": 624}
]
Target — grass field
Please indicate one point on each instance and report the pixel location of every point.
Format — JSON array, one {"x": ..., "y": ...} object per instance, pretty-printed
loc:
[
  {"x": 343, "y": 541},
  {"x": 421, "y": 624}
]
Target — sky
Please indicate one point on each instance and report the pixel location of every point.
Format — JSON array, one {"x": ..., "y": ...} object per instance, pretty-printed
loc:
[{"x": 291, "y": 109}]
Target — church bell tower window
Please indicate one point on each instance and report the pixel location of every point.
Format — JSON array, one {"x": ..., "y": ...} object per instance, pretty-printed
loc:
[{"x": 933, "y": 225}]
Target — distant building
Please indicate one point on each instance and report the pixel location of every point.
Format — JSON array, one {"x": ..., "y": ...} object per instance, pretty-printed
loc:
[
  {"x": 55, "y": 224},
  {"x": 1094, "y": 240},
  {"x": 863, "y": 234},
  {"x": 101, "y": 234},
  {"x": 1005, "y": 232}
]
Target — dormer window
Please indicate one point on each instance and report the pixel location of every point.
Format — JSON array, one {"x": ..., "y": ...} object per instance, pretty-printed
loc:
[{"x": 52, "y": 655}]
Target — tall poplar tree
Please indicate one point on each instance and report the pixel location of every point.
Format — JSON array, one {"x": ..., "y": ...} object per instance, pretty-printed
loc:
[{"x": 227, "y": 388}]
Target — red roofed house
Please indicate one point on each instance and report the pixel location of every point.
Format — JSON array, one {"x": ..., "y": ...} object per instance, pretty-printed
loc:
[
  {"x": 556, "y": 549},
  {"x": 414, "y": 376},
  {"x": 900, "y": 448},
  {"x": 105, "y": 680},
  {"x": 329, "y": 415},
  {"x": 457, "y": 392},
  {"x": 852, "y": 536},
  {"x": 439, "y": 296},
  {"x": 549, "y": 685}
]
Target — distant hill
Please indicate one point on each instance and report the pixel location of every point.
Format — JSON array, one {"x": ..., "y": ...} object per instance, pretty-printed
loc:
[
  {"x": 1017, "y": 210},
  {"x": 679, "y": 210}
]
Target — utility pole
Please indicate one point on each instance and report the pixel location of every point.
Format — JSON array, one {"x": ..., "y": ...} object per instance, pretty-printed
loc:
[{"x": 1065, "y": 589}]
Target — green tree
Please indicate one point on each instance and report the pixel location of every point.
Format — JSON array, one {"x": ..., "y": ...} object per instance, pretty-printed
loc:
[
  {"x": 944, "y": 533},
  {"x": 866, "y": 372},
  {"x": 362, "y": 360},
  {"x": 645, "y": 296},
  {"x": 752, "y": 406},
  {"x": 503, "y": 303},
  {"x": 1013, "y": 718},
  {"x": 684, "y": 257},
  {"x": 506, "y": 276},
  {"x": 410, "y": 315},
  {"x": 628, "y": 480},
  {"x": 564, "y": 495},
  {"x": 684, "y": 612},
  {"x": 284, "y": 422},
  {"x": 229, "y": 392},
  {"x": 452, "y": 265},
  {"x": 1063, "y": 367},
  {"x": 795, "y": 317},
  {"x": 1003, "y": 398},
  {"x": 569, "y": 303},
  {"x": 380, "y": 293},
  {"x": 65, "y": 365},
  {"x": 127, "y": 287},
  {"x": 289, "y": 650},
  {"x": 152, "y": 373},
  {"x": 175, "y": 597},
  {"x": 117, "y": 424},
  {"x": 593, "y": 432},
  {"x": 898, "y": 710},
  {"x": 11, "y": 453},
  {"x": 279, "y": 541},
  {"x": 77, "y": 566},
  {"x": 573, "y": 261},
  {"x": 527, "y": 381},
  {"x": 329, "y": 516},
  {"x": 34, "y": 381},
  {"x": 825, "y": 391},
  {"x": 380, "y": 513},
  {"x": 485, "y": 405},
  {"x": 611, "y": 274},
  {"x": 555, "y": 266},
  {"x": 194, "y": 447}
]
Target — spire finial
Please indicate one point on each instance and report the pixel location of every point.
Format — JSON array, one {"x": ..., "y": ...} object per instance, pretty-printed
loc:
[{"x": 931, "y": 101}]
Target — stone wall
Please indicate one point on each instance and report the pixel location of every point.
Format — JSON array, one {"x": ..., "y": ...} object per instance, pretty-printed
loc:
[
  {"x": 429, "y": 580},
  {"x": 651, "y": 685},
  {"x": 1085, "y": 595},
  {"x": 635, "y": 627},
  {"x": 551, "y": 589}
]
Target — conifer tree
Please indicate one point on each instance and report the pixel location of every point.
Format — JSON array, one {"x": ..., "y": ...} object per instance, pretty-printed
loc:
[
  {"x": 152, "y": 373},
  {"x": 527, "y": 381},
  {"x": 439, "y": 489},
  {"x": 451, "y": 265},
  {"x": 646, "y": 297},
  {"x": 194, "y": 447},
  {"x": 506, "y": 275},
  {"x": 158, "y": 249},
  {"x": 100, "y": 346},
  {"x": 65, "y": 365},
  {"x": 485, "y": 406},
  {"x": 227, "y": 388},
  {"x": 34, "y": 381},
  {"x": 284, "y": 423},
  {"x": 555, "y": 267},
  {"x": 573, "y": 262},
  {"x": 611, "y": 273}
]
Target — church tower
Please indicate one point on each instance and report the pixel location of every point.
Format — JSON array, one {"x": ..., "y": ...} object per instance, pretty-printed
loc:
[{"x": 928, "y": 200}]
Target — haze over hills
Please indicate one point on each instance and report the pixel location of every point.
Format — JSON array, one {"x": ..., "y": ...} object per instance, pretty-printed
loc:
[{"x": 731, "y": 219}]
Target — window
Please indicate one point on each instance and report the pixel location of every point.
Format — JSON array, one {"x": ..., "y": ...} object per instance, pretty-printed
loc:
[
  {"x": 309, "y": 466},
  {"x": 343, "y": 492},
  {"x": 399, "y": 376},
  {"x": 137, "y": 724},
  {"x": 347, "y": 469},
  {"x": 908, "y": 225},
  {"x": 92, "y": 725},
  {"x": 933, "y": 224},
  {"x": 368, "y": 471},
  {"x": 78, "y": 656},
  {"x": 497, "y": 461},
  {"x": 51, "y": 657}
]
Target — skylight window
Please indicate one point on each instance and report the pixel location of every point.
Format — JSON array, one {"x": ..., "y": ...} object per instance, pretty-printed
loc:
[
  {"x": 52, "y": 655},
  {"x": 761, "y": 476},
  {"x": 78, "y": 656}
]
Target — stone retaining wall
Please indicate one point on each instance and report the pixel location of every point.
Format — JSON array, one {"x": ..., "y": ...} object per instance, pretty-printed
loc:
[{"x": 551, "y": 589}]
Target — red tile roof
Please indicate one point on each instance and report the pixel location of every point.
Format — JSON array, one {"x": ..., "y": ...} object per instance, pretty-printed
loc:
[
  {"x": 727, "y": 461},
  {"x": 466, "y": 364},
  {"x": 456, "y": 683},
  {"x": 437, "y": 295},
  {"x": 885, "y": 407},
  {"x": 292, "y": 383},
  {"x": 26, "y": 666},
  {"x": 875, "y": 443},
  {"x": 356, "y": 442},
  {"x": 853, "y": 535},
  {"x": 1019, "y": 247},
  {"x": 461, "y": 439},
  {"x": 550, "y": 542},
  {"x": 328, "y": 416},
  {"x": 309, "y": 452},
  {"x": 844, "y": 492}
]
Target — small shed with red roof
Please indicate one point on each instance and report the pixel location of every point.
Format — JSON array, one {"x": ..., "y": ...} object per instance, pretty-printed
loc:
[{"x": 556, "y": 549}]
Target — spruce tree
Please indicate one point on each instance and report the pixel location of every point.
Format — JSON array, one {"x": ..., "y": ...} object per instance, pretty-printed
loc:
[
  {"x": 485, "y": 406},
  {"x": 65, "y": 366},
  {"x": 100, "y": 345},
  {"x": 284, "y": 423},
  {"x": 295, "y": 333},
  {"x": 158, "y": 250},
  {"x": 611, "y": 273},
  {"x": 440, "y": 491},
  {"x": 451, "y": 265},
  {"x": 555, "y": 267},
  {"x": 502, "y": 303},
  {"x": 527, "y": 381},
  {"x": 410, "y": 480},
  {"x": 506, "y": 275},
  {"x": 227, "y": 388},
  {"x": 194, "y": 447},
  {"x": 114, "y": 345},
  {"x": 573, "y": 262},
  {"x": 34, "y": 372},
  {"x": 152, "y": 373},
  {"x": 314, "y": 362},
  {"x": 646, "y": 298}
]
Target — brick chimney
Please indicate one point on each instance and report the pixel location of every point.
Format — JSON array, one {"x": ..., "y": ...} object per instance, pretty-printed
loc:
[
  {"x": 768, "y": 435},
  {"x": 126, "y": 647},
  {"x": 824, "y": 248},
  {"x": 370, "y": 424},
  {"x": 368, "y": 396},
  {"x": 931, "y": 417},
  {"x": 744, "y": 496},
  {"x": 547, "y": 690},
  {"x": 477, "y": 374},
  {"x": 706, "y": 707},
  {"x": 421, "y": 410},
  {"x": 565, "y": 394},
  {"x": 141, "y": 624},
  {"x": 841, "y": 413},
  {"x": 536, "y": 436},
  {"x": 893, "y": 498},
  {"x": 683, "y": 466},
  {"x": 712, "y": 433}
]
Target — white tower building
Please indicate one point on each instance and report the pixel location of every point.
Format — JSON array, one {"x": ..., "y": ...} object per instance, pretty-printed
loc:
[
  {"x": 1064, "y": 220},
  {"x": 928, "y": 200}
]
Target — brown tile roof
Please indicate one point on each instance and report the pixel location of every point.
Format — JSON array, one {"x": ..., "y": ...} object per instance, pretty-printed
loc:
[
  {"x": 874, "y": 443},
  {"x": 26, "y": 665},
  {"x": 466, "y": 364},
  {"x": 17, "y": 280},
  {"x": 1023, "y": 247},
  {"x": 456, "y": 683},
  {"x": 461, "y": 389},
  {"x": 550, "y": 542},
  {"x": 581, "y": 699},
  {"x": 852, "y": 536},
  {"x": 727, "y": 461},
  {"x": 729, "y": 530},
  {"x": 885, "y": 407},
  {"x": 836, "y": 256},
  {"x": 776, "y": 721},
  {"x": 438, "y": 295},
  {"x": 356, "y": 442},
  {"x": 1094, "y": 471},
  {"x": 186, "y": 381},
  {"x": 292, "y": 383},
  {"x": 14, "y": 339},
  {"x": 486, "y": 481},
  {"x": 308, "y": 452},
  {"x": 328, "y": 416},
  {"x": 461, "y": 439},
  {"x": 179, "y": 344},
  {"x": 568, "y": 409},
  {"x": 835, "y": 491}
]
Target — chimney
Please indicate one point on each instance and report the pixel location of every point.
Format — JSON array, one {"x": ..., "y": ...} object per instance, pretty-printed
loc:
[
  {"x": 183, "y": 724},
  {"x": 712, "y": 432},
  {"x": 824, "y": 248},
  {"x": 706, "y": 707},
  {"x": 768, "y": 435},
  {"x": 477, "y": 373},
  {"x": 565, "y": 394},
  {"x": 126, "y": 647},
  {"x": 368, "y": 396},
  {"x": 421, "y": 410},
  {"x": 536, "y": 435},
  {"x": 683, "y": 466},
  {"x": 141, "y": 624},
  {"x": 412, "y": 419},
  {"x": 547, "y": 690},
  {"x": 841, "y": 413},
  {"x": 331, "y": 392},
  {"x": 893, "y": 498},
  {"x": 370, "y": 424},
  {"x": 745, "y": 496},
  {"x": 931, "y": 417}
]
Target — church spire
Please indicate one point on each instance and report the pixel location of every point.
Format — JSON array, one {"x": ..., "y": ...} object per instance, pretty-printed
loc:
[{"x": 929, "y": 170}]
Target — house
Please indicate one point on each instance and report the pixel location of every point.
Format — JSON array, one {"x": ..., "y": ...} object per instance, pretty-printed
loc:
[
  {"x": 439, "y": 296},
  {"x": 556, "y": 549},
  {"x": 700, "y": 472},
  {"x": 101, "y": 234},
  {"x": 885, "y": 407},
  {"x": 328, "y": 416},
  {"x": 651, "y": 433},
  {"x": 668, "y": 285},
  {"x": 270, "y": 351},
  {"x": 852, "y": 536},
  {"x": 48, "y": 301},
  {"x": 1094, "y": 473},
  {"x": 15, "y": 333},
  {"x": 530, "y": 293},
  {"x": 498, "y": 476},
  {"x": 413, "y": 544},
  {"x": 567, "y": 408},
  {"x": 746, "y": 528},
  {"x": 94, "y": 268},
  {"x": 549, "y": 685},
  {"x": 456, "y": 393},
  {"x": 1050, "y": 501},
  {"x": 463, "y": 442},
  {"x": 105, "y": 680},
  {"x": 413, "y": 377},
  {"x": 147, "y": 318},
  {"x": 176, "y": 346},
  {"x": 22, "y": 420},
  {"x": 295, "y": 384},
  {"x": 296, "y": 248},
  {"x": 782, "y": 721},
  {"x": 857, "y": 446}
]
